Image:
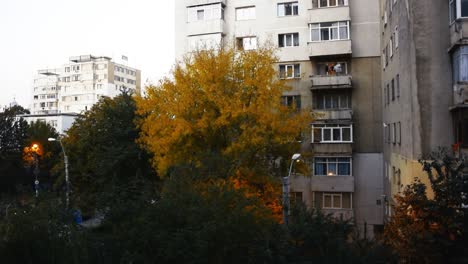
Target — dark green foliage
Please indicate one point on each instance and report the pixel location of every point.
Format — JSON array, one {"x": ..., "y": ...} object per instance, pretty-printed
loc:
[
  {"x": 13, "y": 134},
  {"x": 103, "y": 152}
]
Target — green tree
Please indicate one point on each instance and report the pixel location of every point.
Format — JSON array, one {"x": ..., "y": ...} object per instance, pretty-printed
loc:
[
  {"x": 103, "y": 153},
  {"x": 424, "y": 230},
  {"x": 13, "y": 134}
]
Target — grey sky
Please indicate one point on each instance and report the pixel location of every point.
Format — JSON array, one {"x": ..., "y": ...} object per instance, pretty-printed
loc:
[{"x": 36, "y": 34}]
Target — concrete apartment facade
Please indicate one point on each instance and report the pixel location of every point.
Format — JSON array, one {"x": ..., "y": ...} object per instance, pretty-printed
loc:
[
  {"x": 329, "y": 51},
  {"x": 424, "y": 85},
  {"x": 60, "y": 94}
]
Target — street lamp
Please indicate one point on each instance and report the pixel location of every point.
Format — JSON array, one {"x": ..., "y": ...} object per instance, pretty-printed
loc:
[
  {"x": 65, "y": 158},
  {"x": 35, "y": 150},
  {"x": 294, "y": 158}
]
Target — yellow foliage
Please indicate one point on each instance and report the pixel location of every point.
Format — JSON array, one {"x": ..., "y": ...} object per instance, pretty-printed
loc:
[{"x": 219, "y": 101}]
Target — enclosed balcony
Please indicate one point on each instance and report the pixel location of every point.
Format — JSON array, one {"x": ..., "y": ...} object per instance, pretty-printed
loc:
[
  {"x": 205, "y": 27},
  {"x": 189, "y": 3}
]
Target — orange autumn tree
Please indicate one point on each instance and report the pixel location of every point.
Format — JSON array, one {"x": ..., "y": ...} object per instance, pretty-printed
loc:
[{"x": 220, "y": 115}]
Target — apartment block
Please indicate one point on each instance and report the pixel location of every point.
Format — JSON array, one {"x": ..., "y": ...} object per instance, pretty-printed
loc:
[
  {"x": 329, "y": 53},
  {"x": 60, "y": 94},
  {"x": 424, "y": 85}
]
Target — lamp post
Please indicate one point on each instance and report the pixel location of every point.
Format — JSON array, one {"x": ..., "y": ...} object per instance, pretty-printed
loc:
[
  {"x": 294, "y": 158},
  {"x": 35, "y": 150},
  {"x": 67, "y": 182}
]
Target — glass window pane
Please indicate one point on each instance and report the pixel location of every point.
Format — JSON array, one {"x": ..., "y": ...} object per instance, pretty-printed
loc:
[
  {"x": 332, "y": 169},
  {"x": 332, "y": 2},
  {"x": 320, "y": 169},
  {"x": 281, "y": 40},
  {"x": 317, "y": 135},
  {"x": 464, "y": 8},
  {"x": 327, "y": 203},
  {"x": 295, "y": 9},
  {"x": 328, "y": 100},
  {"x": 334, "y": 99},
  {"x": 326, "y": 134},
  {"x": 336, "y": 134},
  {"x": 336, "y": 201},
  {"x": 334, "y": 33},
  {"x": 344, "y": 169},
  {"x": 324, "y": 34},
  {"x": 315, "y": 34},
  {"x": 346, "y": 134},
  {"x": 280, "y": 9},
  {"x": 323, "y": 3},
  {"x": 340, "y": 2},
  {"x": 344, "y": 33},
  {"x": 288, "y": 40},
  {"x": 287, "y": 9},
  {"x": 296, "y": 39},
  {"x": 297, "y": 71}
]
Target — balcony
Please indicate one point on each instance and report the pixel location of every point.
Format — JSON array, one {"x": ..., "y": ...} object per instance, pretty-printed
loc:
[
  {"x": 334, "y": 81},
  {"x": 332, "y": 184},
  {"x": 203, "y": 2},
  {"x": 205, "y": 27},
  {"x": 334, "y": 148},
  {"x": 346, "y": 114},
  {"x": 345, "y": 214},
  {"x": 327, "y": 48},
  {"x": 318, "y": 15}
]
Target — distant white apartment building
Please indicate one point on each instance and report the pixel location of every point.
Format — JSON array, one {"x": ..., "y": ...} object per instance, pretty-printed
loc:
[
  {"x": 329, "y": 52},
  {"x": 60, "y": 94}
]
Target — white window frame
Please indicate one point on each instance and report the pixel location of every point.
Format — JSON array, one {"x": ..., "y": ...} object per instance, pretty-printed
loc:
[
  {"x": 245, "y": 13},
  {"x": 332, "y": 196},
  {"x": 331, "y": 128},
  {"x": 292, "y": 37},
  {"x": 337, "y": 162},
  {"x": 345, "y": 3},
  {"x": 290, "y": 68},
  {"x": 281, "y": 9},
  {"x": 247, "y": 43},
  {"x": 210, "y": 12},
  {"x": 319, "y": 27}
]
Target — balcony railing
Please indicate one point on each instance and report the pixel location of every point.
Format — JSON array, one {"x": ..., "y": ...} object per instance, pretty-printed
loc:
[
  {"x": 318, "y": 15},
  {"x": 332, "y": 183},
  {"x": 335, "y": 114},
  {"x": 331, "y": 81},
  {"x": 326, "y": 48}
]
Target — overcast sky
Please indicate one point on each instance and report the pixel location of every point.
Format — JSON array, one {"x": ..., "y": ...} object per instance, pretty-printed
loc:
[{"x": 36, "y": 34}]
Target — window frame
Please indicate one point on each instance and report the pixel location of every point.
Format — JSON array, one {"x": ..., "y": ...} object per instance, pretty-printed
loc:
[
  {"x": 282, "y": 6},
  {"x": 294, "y": 66},
  {"x": 319, "y": 27},
  {"x": 294, "y": 36},
  {"x": 345, "y": 3},
  {"x": 332, "y": 199},
  {"x": 241, "y": 43},
  {"x": 295, "y": 101},
  {"x": 317, "y": 97},
  {"x": 331, "y": 127},
  {"x": 329, "y": 161},
  {"x": 253, "y": 17}
]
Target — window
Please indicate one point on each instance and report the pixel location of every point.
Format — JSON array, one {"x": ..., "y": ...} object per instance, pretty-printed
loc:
[
  {"x": 460, "y": 64},
  {"x": 332, "y": 68},
  {"x": 393, "y": 89},
  {"x": 290, "y": 71},
  {"x": 332, "y": 166},
  {"x": 202, "y": 42},
  {"x": 462, "y": 131},
  {"x": 75, "y": 77},
  {"x": 295, "y": 198},
  {"x": 332, "y": 201},
  {"x": 388, "y": 93},
  {"x": 398, "y": 133},
  {"x": 395, "y": 37},
  {"x": 204, "y": 12},
  {"x": 398, "y": 85},
  {"x": 464, "y": 8},
  {"x": 329, "y": 31},
  {"x": 291, "y": 101},
  {"x": 391, "y": 46},
  {"x": 67, "y": 69},
  {"x": 288, "y": 9},
  {"x": 452, "y": 11},
  {"x": 332, "y": 133},
  {"x": 247, "y": 43},
  {"x": 245, "y": 13},
  {"x": 328, "y": 3},
  {"x": 331, "y": 100},
  {"x": 288, "y": 40}
]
